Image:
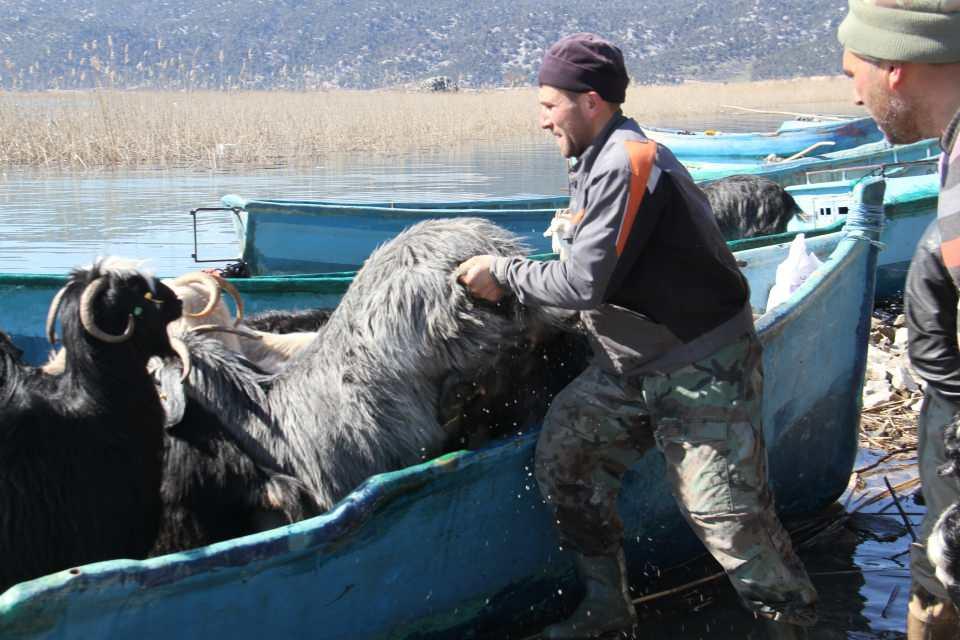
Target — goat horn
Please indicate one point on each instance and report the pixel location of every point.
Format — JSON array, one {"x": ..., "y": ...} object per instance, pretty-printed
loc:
[
  {"x": 180, "y": 348},
  {"x": 86, "y": 315},
  {"x": 232, "y": 290},
  {"x": 209, "y": 283},
  {"x": 216, "y": 328},
  {"x": 52, "y": 315}
]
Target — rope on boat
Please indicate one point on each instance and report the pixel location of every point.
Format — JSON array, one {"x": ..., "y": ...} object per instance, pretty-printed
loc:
[{"x": 865, "y": 220}]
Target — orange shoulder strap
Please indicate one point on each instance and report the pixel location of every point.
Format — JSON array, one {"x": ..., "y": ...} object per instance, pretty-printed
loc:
[{"x": 642, "y": 154}]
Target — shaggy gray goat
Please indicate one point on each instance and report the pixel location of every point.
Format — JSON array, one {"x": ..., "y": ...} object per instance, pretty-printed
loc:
[{"x": 365, "y": 396}]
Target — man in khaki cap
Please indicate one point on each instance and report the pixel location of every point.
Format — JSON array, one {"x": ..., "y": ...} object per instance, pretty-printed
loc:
[{"x": 904, "y": 58}]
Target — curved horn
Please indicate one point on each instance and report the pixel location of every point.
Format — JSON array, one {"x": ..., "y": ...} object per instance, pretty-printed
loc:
[
  {"x": 237, "y": 331},
  {"x": 86, "y": 315},
  {"x": 52, "y": 315},
  {"x": 180, "y": 348},
  {"x": 211, "y": 286},
  {"x": 232, "y": 290}
]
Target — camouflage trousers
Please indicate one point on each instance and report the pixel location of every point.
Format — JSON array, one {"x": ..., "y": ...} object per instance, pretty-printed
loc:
[{"x": 705, "y": 419}]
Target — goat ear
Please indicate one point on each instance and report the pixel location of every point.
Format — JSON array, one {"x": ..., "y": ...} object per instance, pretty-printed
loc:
[{"x": 170, "y": 389}]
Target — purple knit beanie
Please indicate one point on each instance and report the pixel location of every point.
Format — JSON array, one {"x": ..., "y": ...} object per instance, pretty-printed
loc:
[{"x": 585, "y": 62}]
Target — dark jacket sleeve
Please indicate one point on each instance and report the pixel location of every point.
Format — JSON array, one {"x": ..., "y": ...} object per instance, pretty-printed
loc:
[{"x": 930, "y": 306}]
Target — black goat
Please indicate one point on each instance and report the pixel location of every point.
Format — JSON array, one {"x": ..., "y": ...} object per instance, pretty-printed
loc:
[
  {"x": 80, "y": 451},
  {"x": 217, "y": 482},
  {"x": 288, "y": 321},
  {"x": 747, "y": 206},
  {"x": 943, "y": 546}
]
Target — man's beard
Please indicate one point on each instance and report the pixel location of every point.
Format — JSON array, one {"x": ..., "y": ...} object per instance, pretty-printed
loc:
[{"x": 898, "y": 120}]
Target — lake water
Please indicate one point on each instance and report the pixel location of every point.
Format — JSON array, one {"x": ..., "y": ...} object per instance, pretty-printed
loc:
[{"x": 51, "y": 221}]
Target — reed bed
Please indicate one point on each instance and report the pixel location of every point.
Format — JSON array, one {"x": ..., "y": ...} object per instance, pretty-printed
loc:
[{"x": 210, "y": 129}]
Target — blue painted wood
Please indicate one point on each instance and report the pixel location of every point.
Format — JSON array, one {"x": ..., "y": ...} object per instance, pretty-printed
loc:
[
  {"x": 821, "y": 166},
  {"x": 910, "y": 203},
  {"x": 300, "y": 237},
  {"x": 463, "y": 543},
  {"x": 752, "y": 147}
]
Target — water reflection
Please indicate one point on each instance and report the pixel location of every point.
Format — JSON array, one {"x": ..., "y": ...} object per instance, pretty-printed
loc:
[
  {"x": 51, "y": 221},
  {"x": 853, "y": 594},
  {"x": 859, "y": 565}
]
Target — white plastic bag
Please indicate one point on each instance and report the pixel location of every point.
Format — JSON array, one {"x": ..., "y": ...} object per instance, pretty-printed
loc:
[{"x": 792, "y": 272}]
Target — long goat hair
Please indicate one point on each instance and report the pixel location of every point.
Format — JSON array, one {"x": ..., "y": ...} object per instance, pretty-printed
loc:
[
  {"x": 394, "y": 375},
  {"x": 80, "y": 451},
  {"x": 943, "y": 545},
  {"x": 747, "y": 206},
  {"x": 366, "y": 394}
]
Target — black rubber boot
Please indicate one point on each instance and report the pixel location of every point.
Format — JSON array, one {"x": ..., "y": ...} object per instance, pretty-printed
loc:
[{"x": 606, "y": 608}]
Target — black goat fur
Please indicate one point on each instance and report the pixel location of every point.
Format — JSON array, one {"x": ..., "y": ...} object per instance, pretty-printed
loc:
[
  {"x": 747, "y": 206},
  {"x": 218, "y": 483},
  {"x": 943, "y": 546},
  {"x": 80, "y": 451},
  {"x": 288, "y": 321}
]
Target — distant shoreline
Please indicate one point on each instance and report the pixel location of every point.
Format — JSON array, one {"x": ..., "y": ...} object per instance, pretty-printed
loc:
[{"x": 206, "y": 129}]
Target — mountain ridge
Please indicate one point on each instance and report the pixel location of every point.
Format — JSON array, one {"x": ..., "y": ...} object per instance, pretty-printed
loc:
[{"x": 310, "y": 44}]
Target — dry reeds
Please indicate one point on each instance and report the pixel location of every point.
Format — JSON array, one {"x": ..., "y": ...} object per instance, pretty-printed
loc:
[
  {"x": 891, "y": 426},
  {"x": 214, "y": 129}
]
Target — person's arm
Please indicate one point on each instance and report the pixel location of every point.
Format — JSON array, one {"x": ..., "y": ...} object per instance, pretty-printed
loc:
[
  {"x": 618, "y": 206},
  {"x": 930, "y": 306}
]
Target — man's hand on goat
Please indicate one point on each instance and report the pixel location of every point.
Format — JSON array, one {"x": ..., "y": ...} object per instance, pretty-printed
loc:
[{"x": 476, "y": 276}]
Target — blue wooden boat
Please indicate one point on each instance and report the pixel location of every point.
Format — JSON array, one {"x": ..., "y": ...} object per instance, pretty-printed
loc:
[
  {"x": 911, "y": 203},
  {"x": 462, "y": 546},
  {"x": 295, "y": 236},
  {"x": 823, "y": 164},
  {"x": 312, "y": 236},
  {"x": 786, "y": 141}
]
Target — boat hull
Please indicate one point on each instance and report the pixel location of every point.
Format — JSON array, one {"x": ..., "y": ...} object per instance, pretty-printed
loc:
[
  {"x": 753, "y": 147},
  {"x": 910, "y": 205},
  {"x": 824, "y": 167}
]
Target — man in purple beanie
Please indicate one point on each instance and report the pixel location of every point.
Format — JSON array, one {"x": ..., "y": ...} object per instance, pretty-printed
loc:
[{"x": 675, "y": 355}]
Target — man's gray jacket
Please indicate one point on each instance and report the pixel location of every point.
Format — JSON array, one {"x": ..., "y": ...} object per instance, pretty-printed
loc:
[{"x": 648, "y": 268}]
